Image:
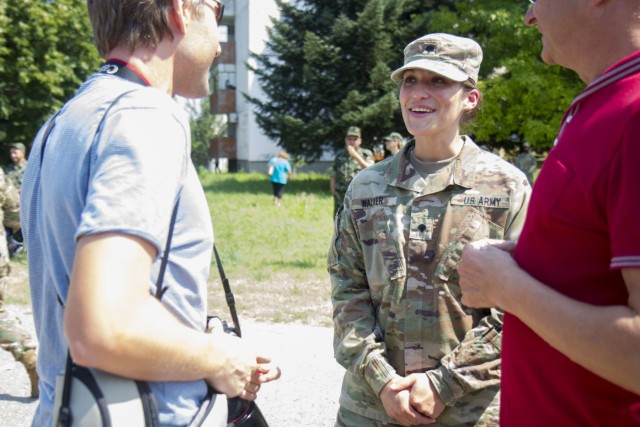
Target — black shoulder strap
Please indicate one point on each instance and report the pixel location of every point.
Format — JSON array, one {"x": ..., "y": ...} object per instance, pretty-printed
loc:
[
  {"x": 160, "y": 290},
  {"x": 227, "y": 293},
  {"x": 65, "y": 417},
  {"x": 45, "y": 137}
]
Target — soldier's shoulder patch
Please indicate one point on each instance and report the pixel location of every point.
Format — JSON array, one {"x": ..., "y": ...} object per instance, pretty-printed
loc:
[
  {"x": 371, "y": 202},
  {"x": 481, "y": 200}
]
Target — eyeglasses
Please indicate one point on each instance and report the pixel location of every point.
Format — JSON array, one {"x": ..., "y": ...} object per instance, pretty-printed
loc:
[{"x": 219, "y": 10}]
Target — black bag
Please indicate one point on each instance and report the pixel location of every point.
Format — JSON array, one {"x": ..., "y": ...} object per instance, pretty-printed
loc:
[{"x": 242, "y": 413}]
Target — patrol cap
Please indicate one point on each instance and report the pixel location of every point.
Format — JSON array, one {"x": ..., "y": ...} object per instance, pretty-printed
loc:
[
  {"x": 353, "y": 131},
  {"x": 456, "y": 58},
  {"x": 18, "y": 145},
  {"x": 394, "y": 136}
]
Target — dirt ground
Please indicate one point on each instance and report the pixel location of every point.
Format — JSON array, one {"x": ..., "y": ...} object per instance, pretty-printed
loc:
[{"x": 305, "y": 396}]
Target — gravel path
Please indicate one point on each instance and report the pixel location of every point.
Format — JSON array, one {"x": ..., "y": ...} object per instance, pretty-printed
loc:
[{"x": 305, "y": 396}]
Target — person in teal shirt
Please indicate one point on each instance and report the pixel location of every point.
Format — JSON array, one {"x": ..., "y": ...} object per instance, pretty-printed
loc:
[{"x": 279, "y": 172}]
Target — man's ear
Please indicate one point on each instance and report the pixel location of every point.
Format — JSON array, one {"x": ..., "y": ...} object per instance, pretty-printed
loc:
[{"x": 180, "y": 15}]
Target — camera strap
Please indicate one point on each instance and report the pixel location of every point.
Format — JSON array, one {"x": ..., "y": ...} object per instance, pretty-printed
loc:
[
  {"x": 116, "y": 67},
  {"x": 227, "y": 292}
]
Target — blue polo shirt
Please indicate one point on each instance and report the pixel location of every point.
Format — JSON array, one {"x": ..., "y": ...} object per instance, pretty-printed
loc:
[{"x": 121, "y": 178}]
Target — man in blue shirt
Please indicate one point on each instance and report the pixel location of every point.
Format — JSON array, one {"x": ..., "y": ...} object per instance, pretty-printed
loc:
[{"x": 96, "y": 208}]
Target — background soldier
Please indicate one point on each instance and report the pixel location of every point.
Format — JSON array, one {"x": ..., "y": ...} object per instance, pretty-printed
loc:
[
  {"x": 348, "y": 162},
  {"x": 393, "y": 143},
  {"x": 13, "y": 337},
  {"x": 526, "y": 161},
  {"x": 14, "y": 171}
]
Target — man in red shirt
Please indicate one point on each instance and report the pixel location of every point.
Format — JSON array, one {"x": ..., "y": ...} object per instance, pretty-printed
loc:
[{"x": 571, "y": 284}]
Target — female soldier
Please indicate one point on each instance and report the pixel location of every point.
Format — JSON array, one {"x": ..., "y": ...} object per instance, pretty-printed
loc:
[{"x": 413, "y": 353}]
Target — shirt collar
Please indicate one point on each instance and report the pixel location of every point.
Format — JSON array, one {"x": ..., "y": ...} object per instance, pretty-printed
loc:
[{"x": 400, "y": 173}]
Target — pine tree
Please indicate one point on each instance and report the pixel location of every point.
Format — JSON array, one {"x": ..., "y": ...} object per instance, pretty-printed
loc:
[
  {"x": 327, "y": 67},
  {"x": 328, "y": 63}
]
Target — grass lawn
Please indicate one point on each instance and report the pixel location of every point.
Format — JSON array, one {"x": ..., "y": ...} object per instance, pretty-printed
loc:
[{"x": 274, "y": 258}]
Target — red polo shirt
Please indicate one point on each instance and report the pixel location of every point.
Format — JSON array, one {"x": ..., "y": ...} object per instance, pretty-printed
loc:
[{"x": 583, "y": 226}]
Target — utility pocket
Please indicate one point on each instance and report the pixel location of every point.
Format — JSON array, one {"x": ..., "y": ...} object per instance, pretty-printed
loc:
[
  {"x": 473, "y": 226},
  {"x": 381, "y": 240}
]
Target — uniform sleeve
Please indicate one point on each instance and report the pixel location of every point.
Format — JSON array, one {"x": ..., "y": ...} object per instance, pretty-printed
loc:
[
  {"x": 533, "y": 163},
  {"x": 332, "y": 169},
  {"x": 475, "y": 363},
  {"x": 472, "y": 365},
  {"x": 357, "y": 346},
  {"x": 518, "y": 211},
  {"x": 10, "y": 204},
  {"x": 367, "y": 155}
]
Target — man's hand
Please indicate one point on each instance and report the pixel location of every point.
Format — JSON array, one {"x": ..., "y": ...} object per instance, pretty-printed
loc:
[
  {"x": 396, "y": 402},
  {"x": 353, "y": 152},
  {"x": 485, "y": 267},
  {"x": 241, "y": 371},
  {"x": 265, "y": 373}
]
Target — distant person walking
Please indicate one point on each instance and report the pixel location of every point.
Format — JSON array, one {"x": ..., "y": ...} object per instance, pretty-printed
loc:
[{"x": 279, "y": 172}]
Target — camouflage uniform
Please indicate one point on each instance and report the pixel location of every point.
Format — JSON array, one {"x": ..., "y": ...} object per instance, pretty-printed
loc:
[
  {"x": 344, "y": 169},
  {"x": 395, "y": 291},
  {"x": 14, "y": 173},
  {"x": 527, "y": 163},
  {"x": 13, "y": 337}
]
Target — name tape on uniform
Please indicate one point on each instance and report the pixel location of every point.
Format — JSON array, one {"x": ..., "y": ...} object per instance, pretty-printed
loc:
[{"x": 481, "y": 200}]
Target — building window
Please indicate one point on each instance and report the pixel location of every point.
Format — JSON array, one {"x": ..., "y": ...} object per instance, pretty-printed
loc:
[{"x": 226, "y": 76}]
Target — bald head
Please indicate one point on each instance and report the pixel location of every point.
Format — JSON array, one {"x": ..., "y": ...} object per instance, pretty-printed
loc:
[{"x": 587, "y": 36}]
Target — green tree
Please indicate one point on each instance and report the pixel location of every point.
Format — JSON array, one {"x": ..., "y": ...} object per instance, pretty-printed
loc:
[
  {"x": 327, "y": 66},
  {"x": 46, "y": 51},
  {"x": 204, "y": 127},
  {"x": 328, "y": 63},
  {"x": 522, "y": 95}
]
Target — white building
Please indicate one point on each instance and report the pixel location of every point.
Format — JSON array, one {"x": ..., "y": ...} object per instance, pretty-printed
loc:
[{"x": 243, "y": 30}]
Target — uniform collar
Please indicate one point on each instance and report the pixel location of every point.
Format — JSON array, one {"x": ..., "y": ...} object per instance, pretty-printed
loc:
[{"x": 400, "y": 173}]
